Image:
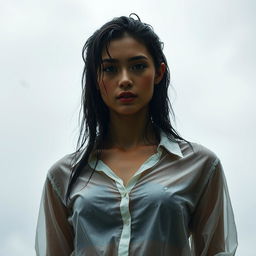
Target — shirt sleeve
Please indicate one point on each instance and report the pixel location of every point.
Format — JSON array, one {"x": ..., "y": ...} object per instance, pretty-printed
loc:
[
  {"x": 54, "y": 234},
  {"x": 213, "y": 226}
]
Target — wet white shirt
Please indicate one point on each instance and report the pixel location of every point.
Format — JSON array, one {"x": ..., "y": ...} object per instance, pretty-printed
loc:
[{"x": 176, "y": 204}]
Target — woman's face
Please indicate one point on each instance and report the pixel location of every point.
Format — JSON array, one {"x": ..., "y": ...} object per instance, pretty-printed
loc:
[{"x": 129, "y": 69}]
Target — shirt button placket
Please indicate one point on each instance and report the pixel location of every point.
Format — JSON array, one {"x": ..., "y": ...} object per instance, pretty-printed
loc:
[{"x": 123, "y": 249}]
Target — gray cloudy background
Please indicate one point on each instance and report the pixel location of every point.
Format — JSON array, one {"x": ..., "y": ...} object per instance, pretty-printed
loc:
[{"x": 210, "y": 47}]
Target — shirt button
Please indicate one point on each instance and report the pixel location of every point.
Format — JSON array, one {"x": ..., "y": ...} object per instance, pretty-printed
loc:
[{"x": 127, "y": 222}]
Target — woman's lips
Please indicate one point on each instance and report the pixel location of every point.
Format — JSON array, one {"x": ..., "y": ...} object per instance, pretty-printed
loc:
[
  {"x": 126, "y": 95},
  {"x": 129, "y": 99}
]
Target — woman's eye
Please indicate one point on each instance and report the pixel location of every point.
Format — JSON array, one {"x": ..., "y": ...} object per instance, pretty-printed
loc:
[
  {"x": 109, "y": 69},
  {"x": 139, "y": 67}
]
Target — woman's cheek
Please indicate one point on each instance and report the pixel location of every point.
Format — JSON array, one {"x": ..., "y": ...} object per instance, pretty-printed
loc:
[
  {"x": 104, "y": 88},
  {"x": 147, "y": 82}
]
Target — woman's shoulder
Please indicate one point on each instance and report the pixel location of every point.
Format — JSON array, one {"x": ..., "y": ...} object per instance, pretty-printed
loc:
[
  {"x": 203, "y": 161},
  {"x": 59, "y": 174},
  {"x": 61, "y": 166},
  {"x": 197, "y": 151}
]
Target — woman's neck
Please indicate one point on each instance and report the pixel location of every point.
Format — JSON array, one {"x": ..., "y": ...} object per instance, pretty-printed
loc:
[{"x": 128, "y": 132}]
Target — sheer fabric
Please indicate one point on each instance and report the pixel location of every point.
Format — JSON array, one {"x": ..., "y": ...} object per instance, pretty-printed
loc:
[{"x": 177, "y": 203}]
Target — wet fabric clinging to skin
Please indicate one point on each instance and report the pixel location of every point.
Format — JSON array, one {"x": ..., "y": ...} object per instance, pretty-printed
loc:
[{"x": 177, "y": 203}]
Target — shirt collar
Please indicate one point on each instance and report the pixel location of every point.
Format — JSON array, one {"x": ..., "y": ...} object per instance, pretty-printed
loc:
[{"x": 171, "y": 145}]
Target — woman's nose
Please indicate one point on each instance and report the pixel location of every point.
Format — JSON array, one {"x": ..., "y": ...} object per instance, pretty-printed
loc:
[{"x": 125, "y": 79}]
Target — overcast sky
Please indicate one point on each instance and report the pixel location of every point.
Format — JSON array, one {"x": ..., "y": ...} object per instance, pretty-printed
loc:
[{"x": 210, "y": 47}]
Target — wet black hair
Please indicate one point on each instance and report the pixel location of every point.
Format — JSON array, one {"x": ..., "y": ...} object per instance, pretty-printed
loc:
[{"x": 95, "y": 114}]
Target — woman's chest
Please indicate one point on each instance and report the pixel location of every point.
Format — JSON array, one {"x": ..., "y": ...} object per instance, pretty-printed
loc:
[
  {"x": 125, "y": 164},
  {"x": 151, "y": 201}
]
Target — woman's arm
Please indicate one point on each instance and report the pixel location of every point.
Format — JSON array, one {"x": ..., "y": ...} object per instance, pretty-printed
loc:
[
  {"x": 213, "y": 225},
  {"x": 54, "y": 234}
]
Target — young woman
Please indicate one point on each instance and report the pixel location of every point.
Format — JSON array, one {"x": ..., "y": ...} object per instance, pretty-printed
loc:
[{"x": 134, "y": 186}]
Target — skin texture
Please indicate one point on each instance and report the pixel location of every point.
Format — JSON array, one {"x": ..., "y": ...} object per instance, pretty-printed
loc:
[{"x": 128, "y": 120}]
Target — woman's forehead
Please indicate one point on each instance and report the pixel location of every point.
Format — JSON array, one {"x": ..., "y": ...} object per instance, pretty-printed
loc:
[{"x": 125, "y": 47}]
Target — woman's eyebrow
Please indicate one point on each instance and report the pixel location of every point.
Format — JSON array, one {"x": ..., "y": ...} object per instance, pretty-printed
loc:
[
  {"x": 139, "y": 57},
  {"x": 112, "y": 60}
]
